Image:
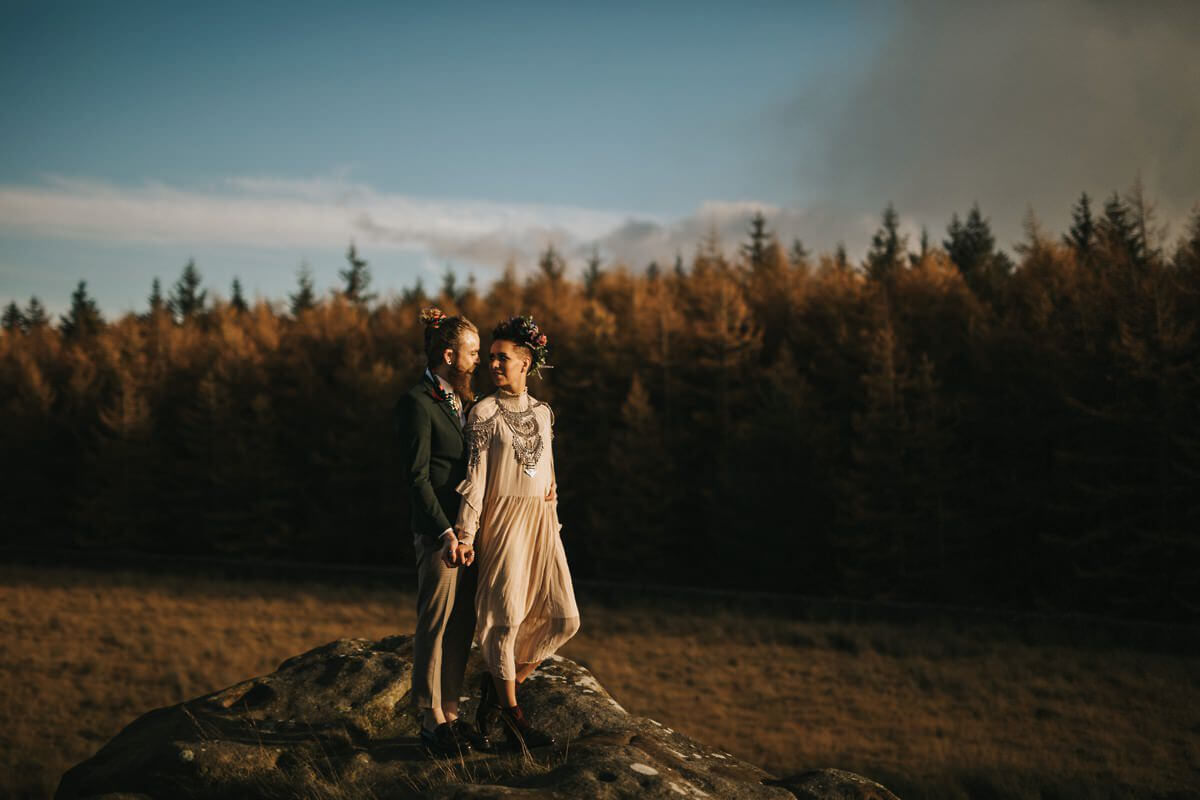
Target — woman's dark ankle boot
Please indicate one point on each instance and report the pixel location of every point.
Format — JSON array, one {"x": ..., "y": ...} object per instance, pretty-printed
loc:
[
  {"x": 489, "y": 708},
  {"x": 519, "y": 734}
]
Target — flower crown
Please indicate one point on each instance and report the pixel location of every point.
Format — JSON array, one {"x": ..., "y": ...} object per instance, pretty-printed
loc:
[
  {"x": 524, "y": 331},
  {"x": 433, "y": 317}
]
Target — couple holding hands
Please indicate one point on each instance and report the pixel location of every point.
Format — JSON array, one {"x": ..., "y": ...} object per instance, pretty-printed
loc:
[{"x": 490, "y": 563}]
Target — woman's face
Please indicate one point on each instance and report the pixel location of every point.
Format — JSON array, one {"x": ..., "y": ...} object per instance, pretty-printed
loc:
[{"x": 509, "y": 364}]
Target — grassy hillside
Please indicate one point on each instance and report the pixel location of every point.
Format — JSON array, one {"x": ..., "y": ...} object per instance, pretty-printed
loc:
[{"x": 936, "y": 710}]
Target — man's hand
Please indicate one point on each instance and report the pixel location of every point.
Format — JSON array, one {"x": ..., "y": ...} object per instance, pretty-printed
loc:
[{"x": 450, "y": 552}]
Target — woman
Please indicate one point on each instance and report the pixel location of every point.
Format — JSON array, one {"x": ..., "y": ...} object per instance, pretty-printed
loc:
[{"x": 524, "y": 604}]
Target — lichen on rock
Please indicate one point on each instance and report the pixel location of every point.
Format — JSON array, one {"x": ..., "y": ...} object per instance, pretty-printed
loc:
[{"x": 335, "y": 723}]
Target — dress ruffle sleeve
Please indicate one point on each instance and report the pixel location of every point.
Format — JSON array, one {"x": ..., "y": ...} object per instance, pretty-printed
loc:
[{"x": 478, "y": 432}]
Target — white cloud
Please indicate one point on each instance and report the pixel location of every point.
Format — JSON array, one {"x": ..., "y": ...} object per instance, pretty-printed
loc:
[
  {"x": 639, "y": 241},
  {"x": 269, "y": 212}
]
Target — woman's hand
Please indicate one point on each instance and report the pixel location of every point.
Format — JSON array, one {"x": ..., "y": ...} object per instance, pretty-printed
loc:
[
  {"x": 466, "y": 553},
  {"x": 551, "y": 494}
]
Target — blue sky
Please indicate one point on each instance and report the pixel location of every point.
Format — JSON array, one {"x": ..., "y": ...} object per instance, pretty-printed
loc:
[
  {"x": 255, "y": 136},
  {"x": 490, "y": 100}
]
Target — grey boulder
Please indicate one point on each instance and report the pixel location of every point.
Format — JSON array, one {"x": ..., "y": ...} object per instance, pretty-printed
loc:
[{"x": 334, "y": 723}]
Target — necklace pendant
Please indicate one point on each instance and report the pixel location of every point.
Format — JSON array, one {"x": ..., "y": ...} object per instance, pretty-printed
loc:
[{"x": 531, "y": 471}]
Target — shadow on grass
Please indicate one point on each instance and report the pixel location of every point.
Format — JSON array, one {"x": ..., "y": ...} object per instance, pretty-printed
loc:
[{"x": 990, "y": 783}]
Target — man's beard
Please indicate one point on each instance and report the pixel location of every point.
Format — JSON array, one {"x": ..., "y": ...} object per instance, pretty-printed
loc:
[{"x": 461, "y": 383}]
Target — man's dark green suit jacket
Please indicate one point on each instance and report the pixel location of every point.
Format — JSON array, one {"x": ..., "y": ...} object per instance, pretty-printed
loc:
[{"x": 433, "y": 458}]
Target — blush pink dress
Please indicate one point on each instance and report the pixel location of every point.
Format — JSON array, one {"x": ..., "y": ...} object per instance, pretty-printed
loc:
[{"x": 525, "y": 602}]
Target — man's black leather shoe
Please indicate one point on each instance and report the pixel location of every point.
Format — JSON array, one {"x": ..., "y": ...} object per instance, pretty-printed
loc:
[{"x": 441, "y": 742}]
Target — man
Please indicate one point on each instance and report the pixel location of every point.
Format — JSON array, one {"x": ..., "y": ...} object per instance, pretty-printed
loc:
[{"x": 429, "y": 420}]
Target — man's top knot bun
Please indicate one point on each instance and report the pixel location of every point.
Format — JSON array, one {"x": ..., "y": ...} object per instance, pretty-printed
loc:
[{"x": 433, "y": 317}]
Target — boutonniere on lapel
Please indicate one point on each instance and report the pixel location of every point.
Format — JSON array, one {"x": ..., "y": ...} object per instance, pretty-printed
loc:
[
  {"x": 438, "y": 393},
  {"x": 441, "y": 396}
]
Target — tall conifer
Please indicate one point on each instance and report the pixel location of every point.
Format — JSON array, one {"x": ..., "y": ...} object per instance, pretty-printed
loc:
[
  {"x": 591, "y": 273},
  {"x": 236, "y": 300},
  {"x": 552, "y": 264},
  {"x": 798, "y": 255},
  {"x": 35, "y": 314},
  {"x": 1082, "y": 236},
  {"x": 83, "y": 319},
  {"x": 888, "y": 247},
  {"x": 14, "y": 320},
  {"x": 187, "y": 298},
  {"x": 755, "y": 250},
  {"x": 357, "y": 278},
  {"x": 304, "y": 298}
]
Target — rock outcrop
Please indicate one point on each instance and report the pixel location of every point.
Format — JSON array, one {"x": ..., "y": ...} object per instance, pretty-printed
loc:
[{"x": 334, "y": 723}]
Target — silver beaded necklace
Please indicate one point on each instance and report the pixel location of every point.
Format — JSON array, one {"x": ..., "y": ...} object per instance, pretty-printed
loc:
[
  {"x": 527, "y": 441},
  {"x": 526, "y": 437}
]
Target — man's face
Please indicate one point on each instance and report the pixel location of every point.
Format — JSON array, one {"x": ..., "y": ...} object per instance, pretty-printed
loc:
[{"x": 466, "y": 357}]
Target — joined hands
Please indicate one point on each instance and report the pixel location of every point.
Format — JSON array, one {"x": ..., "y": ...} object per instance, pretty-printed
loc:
[{"x": 458, "y": 554}]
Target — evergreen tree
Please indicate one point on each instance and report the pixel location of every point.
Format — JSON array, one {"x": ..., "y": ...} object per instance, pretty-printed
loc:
[
  {"x": 470, "y": 304},
  {"x": 970, "y": 245},
  {"x": 552, "y": 265},
  {"x": 450, "y": 291},
  {"x": 895, "y": 501},
  {"x": 888, "y": 247},
  {"x": 1036, "y": 243},
  {"x": 717, "y": 355},
  {"x": 785, "y": 455},
  {"x": 1142, "y": 217},
  {"x": 1131, "y": 470},
  {"x": 35, "y": 314},
  {"x": 1187, "y": 253},
  {"x": 591, "y": 274},
  {"x": 414, "y": 296},
  {"x": 1082, "y": 236},
  {"x": 187, "y": 298},
  {"x": 680, "y": 271},
  {"x": 83, "y": 319},
  {"x": 119, "y": 504},
  {"x": 1118, "y": 235},
  {"x": 156, "y": 301},
  {"x": 505, "y": 294},
  {"x": 229, "y": 493},
  {"x": 1051, "y": 436},
  {"x": 918, "y": 257},
  {"x": 652, "y": 271},
  {"x": 14, "y": 320},
  {"x": 304, "y": 298},
  {"x": 839, "y": 257},
  {"x": 755, "y": 250},
  {"x": 357, "y": 278},
  {"x": 726, "y": 339},
  {"x": 708, "y": 252},
  {"x": 237, "y": 301},
  {"x": 798, "y": 255},
  {"x": 636, "y": 449}
]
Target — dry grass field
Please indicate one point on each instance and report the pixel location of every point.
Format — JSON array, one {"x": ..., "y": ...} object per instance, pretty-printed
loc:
[{"x": 937, "y": 710}]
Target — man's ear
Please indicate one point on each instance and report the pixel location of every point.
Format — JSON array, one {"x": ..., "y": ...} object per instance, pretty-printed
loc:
[{"x": 448, "y": 355}]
